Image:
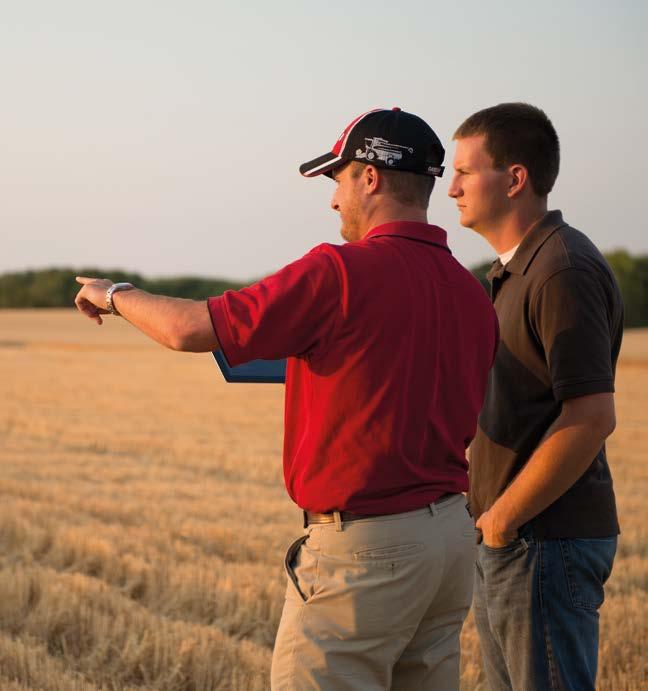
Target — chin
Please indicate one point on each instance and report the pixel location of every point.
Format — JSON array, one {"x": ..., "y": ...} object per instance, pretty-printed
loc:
[
  {"x": 347, "y": 234},
  {"x": 466, "y": 221}
]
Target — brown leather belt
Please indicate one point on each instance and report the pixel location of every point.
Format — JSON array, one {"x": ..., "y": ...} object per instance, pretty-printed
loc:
[{"x": 345, "y": 516}]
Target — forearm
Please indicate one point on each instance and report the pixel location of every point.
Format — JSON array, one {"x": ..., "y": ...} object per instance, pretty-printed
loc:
[
  {"x": 565, "y": 453},
  {"x": 176, "y": 323}
]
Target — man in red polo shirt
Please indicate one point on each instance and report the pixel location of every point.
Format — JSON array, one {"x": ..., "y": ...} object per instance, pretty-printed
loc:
[{"x": 389, "y": 341}]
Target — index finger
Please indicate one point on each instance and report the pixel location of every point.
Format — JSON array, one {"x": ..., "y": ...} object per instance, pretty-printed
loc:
[{"x": 84, "y": 279}]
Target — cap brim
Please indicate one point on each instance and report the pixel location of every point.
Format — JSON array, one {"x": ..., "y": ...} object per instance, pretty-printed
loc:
[{"x": 322, "y": 165}]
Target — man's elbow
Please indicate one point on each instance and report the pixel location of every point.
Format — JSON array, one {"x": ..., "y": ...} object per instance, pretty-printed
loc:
[
  {"x": 189, "y": 338},
  {"x": 608, "y": 424},
  {"x": 603, "y": 420},
  {"x": 177, "y": 343},
  {"x": 595, "y": 411},
  {"x": 189, "y": 328}
]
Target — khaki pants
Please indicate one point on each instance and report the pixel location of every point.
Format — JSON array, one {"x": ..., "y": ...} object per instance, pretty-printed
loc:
[{"x": 379, "y": 604}]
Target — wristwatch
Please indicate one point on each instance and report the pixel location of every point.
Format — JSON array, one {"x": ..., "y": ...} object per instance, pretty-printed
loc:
[{"x": 114, "y": 288}]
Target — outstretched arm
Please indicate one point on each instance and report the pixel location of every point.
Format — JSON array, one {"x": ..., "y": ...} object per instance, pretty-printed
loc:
[{"x": 176, "y": 323}]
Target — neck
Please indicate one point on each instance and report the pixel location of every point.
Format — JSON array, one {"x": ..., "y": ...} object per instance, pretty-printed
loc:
[
  {"x": 509, "y": 231},
  {"x": 389, "y": 213}
]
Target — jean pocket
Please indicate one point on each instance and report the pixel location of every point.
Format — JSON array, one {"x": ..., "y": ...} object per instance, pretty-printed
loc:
[
  {"x": 519, "y": 544},
  {"x": 389, "y": 553},
  {"x": 588, "y": 564}
]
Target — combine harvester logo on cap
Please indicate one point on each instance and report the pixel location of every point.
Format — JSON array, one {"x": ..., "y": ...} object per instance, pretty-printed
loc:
[{"x": 381, "y": 149}]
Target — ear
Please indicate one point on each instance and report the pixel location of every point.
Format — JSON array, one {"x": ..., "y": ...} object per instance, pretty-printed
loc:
[
  {"x": 371, "y": 177},
  {"x": 518, "y": 180}
]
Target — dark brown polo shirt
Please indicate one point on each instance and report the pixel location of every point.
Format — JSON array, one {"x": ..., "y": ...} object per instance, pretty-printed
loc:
[{"x": 561, "y": 323}]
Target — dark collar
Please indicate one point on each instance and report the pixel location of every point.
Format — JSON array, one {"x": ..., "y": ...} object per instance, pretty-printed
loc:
[
  {"x": 531, "y": 243},
  {"x": 496, "y": 270},
  {"x": 413, "y": 230},
  {"x": 538, "y": 234}
]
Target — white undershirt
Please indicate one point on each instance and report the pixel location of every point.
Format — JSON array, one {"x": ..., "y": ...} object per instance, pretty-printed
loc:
[{"x": 507, "y": 256}]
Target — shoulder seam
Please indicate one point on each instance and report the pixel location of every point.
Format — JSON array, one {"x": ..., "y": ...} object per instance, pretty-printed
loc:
[{"x": 564, "y": 246}]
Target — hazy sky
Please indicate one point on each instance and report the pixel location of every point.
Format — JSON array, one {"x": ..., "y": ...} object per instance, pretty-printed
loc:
[{"x": 165, "y": 136}]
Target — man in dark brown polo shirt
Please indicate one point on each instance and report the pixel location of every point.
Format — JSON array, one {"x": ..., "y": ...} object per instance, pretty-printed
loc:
[{"x": 540, "y": 485}]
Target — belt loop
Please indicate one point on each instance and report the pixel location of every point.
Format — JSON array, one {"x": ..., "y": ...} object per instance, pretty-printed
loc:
[
  {"x": 338, "y": 521},
  {"x": 434, "y": 509}
]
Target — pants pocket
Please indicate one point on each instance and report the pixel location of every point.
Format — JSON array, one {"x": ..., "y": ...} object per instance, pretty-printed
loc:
[
  {"x": 588, "y": 564},
  {"x": 300, "y": 565},
  {"x": 517, "y": 546}
]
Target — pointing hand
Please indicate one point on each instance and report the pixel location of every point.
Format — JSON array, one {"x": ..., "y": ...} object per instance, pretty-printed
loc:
[{"x": 91, "y": 299}]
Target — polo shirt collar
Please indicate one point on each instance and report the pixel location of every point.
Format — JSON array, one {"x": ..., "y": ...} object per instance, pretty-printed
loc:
[
  {"x": 413, "y": 230},
  {"x": 533, "y": 241}
]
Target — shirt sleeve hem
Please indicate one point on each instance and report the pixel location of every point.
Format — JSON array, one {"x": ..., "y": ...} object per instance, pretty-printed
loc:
[
  {"x": 562, "y": 392},
  {"x": 220, "y": 322}
]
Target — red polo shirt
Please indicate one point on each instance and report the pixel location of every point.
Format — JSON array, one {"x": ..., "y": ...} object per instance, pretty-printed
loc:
[{"x": 389, "y": 341}]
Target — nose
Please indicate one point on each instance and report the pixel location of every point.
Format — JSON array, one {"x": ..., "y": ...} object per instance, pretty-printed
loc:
[
  {"x": 454, "y": 190},
  {"x": 334, "y": 204}
]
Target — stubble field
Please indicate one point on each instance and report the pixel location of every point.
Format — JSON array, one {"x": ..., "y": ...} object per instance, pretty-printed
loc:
[{"x": 143, "y": 516}]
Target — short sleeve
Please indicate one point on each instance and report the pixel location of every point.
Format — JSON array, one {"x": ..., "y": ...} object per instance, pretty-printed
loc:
[
  {"x": 290, "y": 313},
  {"x": 570, "y": 317}
]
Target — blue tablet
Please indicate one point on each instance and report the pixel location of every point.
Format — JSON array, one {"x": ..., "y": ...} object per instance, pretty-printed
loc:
[{"x": 254, "y": 372}]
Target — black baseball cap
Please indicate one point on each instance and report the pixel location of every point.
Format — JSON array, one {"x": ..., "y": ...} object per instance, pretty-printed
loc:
[{"x": 385, "y": 138}]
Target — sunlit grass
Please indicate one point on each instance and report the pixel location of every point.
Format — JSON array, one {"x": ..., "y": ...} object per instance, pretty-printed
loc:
[{"x": 143, "y": 516}]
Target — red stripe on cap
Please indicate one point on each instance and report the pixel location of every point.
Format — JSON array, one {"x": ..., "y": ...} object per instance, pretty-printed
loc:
[{"x": 342, "y": 139}]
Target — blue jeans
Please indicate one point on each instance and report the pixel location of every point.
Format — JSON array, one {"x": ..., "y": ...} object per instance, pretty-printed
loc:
[{"x": 536, "y": 608}]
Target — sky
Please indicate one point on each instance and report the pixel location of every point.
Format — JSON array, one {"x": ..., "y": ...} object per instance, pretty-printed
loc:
[{"x": 165, "y": 137}]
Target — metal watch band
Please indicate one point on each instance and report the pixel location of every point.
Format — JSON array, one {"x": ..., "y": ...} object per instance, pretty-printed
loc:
[{"x": 114, "y": 288}]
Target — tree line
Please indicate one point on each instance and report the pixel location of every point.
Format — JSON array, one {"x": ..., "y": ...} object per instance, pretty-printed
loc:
[{"x": 57, "y": 287}]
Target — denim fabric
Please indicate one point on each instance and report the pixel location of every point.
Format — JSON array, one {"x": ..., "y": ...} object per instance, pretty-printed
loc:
[{"x": 536, "y": 608}]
